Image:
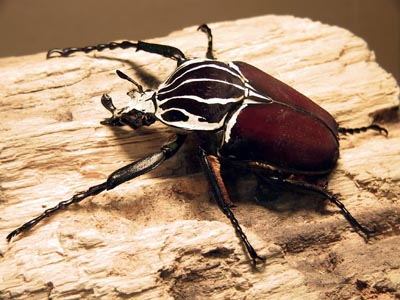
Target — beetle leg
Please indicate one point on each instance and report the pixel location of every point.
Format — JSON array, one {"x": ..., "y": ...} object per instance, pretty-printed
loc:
[
  {"x": 119, "y": 176},
  {"x": 216, "y": 170},
  {"x": 211, "y": 167},
  {"x": 100, "y": 47},
  {"x": 164, "y": 50},
  {"x": 204, "y": 28},
  {"x": 375, "y": 127},
  {"x": 331, "y": 197}
]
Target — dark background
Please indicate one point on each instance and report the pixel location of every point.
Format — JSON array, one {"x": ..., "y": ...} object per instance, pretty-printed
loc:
[{"x": 30, "y": 26}]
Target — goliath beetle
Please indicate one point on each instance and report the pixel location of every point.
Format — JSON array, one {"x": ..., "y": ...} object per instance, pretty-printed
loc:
[{"x": 244, "y": 116}]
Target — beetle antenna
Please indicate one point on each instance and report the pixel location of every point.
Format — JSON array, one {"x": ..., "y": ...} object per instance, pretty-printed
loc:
[{"x": 126, "y": 77}]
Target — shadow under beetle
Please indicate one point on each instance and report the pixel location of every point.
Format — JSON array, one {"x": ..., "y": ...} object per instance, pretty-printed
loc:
[{"x": 244, "y": 115}]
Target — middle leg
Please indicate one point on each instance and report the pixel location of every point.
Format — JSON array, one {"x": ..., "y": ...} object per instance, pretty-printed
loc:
[
  {"x": 204, "y": 28},
  {"x": 211, "y": 167}
]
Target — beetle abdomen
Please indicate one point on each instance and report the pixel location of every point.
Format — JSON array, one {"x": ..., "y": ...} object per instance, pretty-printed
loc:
[
  {"x": 279, "y": 91},
  {"x": 199, "y": 95},
  {"x": 282, "y": 137},
  {"x": 290, "y": 132}
]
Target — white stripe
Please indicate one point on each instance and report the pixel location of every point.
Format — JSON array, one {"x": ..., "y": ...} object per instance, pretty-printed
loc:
[
  {"x": 236, "y": 68},
  {"x": 208, "y": 101},
  {"x": 231, "y": 122},
  {"x": 252, "y": 93},
  {"x": 200, "y": 66},
  {"x": 198, "y": 80}
]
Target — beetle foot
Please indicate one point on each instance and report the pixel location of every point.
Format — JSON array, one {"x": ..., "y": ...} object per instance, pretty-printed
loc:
[
  {"x": 257, "y": 259},
  {"x": 369, "y": 233},
  {"x": 374, "y": 127},
  {"x": 253, "y": 254}
]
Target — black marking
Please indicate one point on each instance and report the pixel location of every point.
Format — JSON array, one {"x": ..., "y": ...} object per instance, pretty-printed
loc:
[
  {"x": 211, "y": 113},
  {"x": 174, "y": 116}
]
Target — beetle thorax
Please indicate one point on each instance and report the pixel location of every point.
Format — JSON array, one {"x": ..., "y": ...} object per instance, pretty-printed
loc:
[{"x": 199, "y": 95}]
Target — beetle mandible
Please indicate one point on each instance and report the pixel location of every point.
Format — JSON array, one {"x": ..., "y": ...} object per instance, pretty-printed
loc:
[{"x": 244, "y": 116}]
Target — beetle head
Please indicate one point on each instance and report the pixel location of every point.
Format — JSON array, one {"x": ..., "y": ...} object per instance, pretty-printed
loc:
[
  {"x": 142, "y": 101},
  {"x": 139, "y": 112}
]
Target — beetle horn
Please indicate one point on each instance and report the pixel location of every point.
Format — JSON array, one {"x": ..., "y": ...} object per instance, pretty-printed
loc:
[{"x": 126, "y": 77}]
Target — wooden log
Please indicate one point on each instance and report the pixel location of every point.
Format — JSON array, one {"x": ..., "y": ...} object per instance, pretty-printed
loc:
[{"x": 160, "y": 236}]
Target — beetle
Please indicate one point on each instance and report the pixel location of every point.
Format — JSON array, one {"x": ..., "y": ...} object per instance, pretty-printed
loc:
[{"x": 243, "y": 115}]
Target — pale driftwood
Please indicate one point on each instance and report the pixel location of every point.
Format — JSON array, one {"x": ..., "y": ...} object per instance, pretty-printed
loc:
[{"x": 160, "y": 237}]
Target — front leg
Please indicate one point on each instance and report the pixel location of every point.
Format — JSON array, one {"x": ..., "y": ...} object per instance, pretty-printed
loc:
[
  {"x": 164, "y": 50},
  {"x": 116, "y": 178}
]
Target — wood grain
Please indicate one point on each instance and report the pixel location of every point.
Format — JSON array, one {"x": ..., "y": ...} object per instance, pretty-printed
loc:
[{"x": 161, "y": 236}]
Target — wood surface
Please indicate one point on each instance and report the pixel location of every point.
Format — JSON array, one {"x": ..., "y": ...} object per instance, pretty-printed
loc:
[{"x": 161, "y": 236}]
